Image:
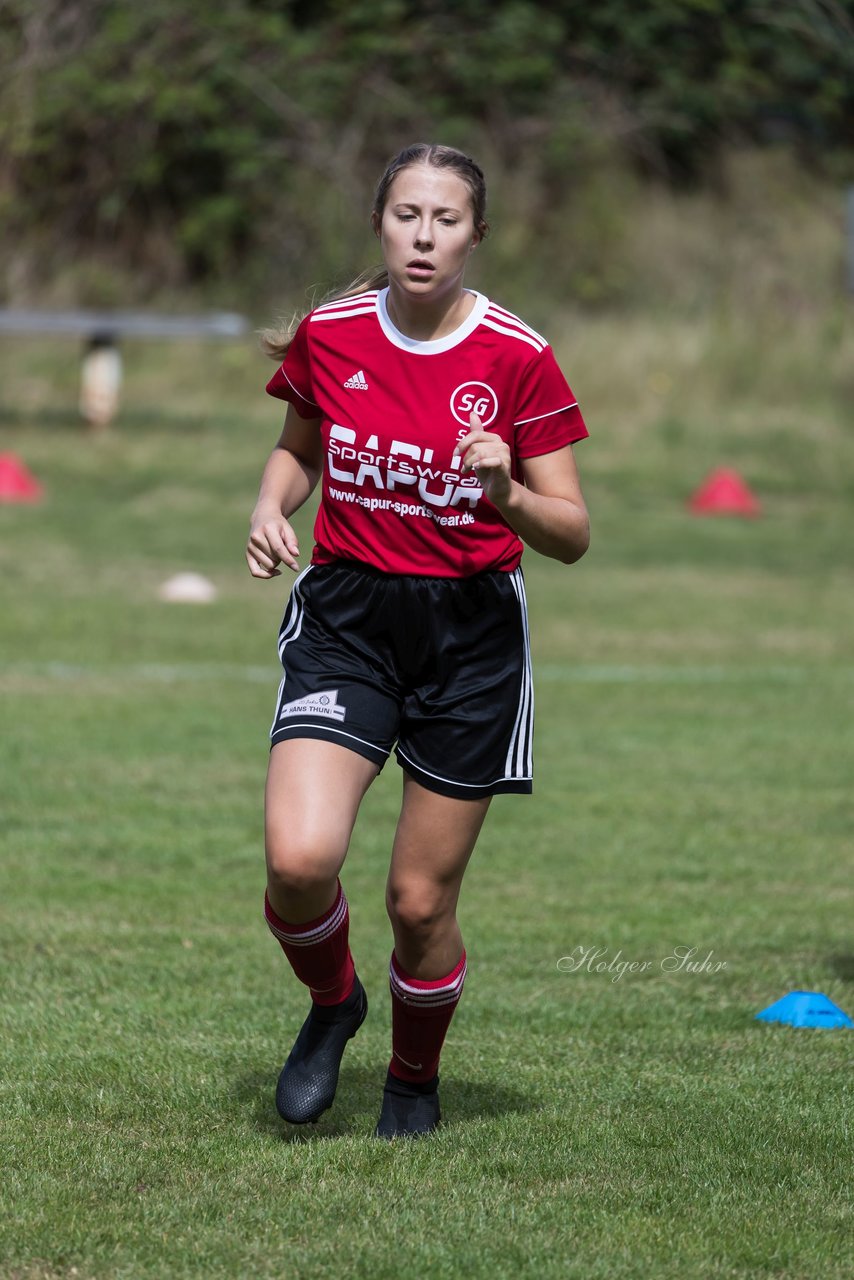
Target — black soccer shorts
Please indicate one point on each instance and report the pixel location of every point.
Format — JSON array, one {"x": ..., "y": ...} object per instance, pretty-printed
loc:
[{"x": 439, "y": 666}]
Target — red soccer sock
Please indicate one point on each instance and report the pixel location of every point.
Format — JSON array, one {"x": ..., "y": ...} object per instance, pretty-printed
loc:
[
  {"x": 319, "y": 950},
  {"x": 421, "y": 1013}
]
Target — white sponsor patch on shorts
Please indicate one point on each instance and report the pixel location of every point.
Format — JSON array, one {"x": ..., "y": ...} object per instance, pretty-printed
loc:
[{"x": 315, "y": 704}]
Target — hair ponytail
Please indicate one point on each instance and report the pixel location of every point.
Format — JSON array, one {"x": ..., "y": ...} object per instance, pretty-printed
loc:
[{"x": 276, "y": 340}]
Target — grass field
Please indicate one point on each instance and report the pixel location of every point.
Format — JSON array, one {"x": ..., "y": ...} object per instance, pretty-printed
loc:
[{"x": 695, "y": 681}]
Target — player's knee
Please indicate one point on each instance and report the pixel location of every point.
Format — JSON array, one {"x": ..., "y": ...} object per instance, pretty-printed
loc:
[
  {"x": 297, "y": 867},
  {"x": 417, "y": 909}
]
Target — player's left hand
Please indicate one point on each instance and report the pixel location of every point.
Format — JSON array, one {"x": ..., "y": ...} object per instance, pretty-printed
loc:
[{"x": 488, "y": 456}]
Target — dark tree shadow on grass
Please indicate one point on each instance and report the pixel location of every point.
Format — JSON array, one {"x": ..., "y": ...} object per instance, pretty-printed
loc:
[
  {"x": 132, "y": 420},
  {"x": 359, "y": 1096},
  {"x": 842, "y": 965},
  {"x": 47, "y": 416}
]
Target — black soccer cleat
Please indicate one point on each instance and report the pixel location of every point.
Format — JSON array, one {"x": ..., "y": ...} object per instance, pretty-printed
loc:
[
  {"x": 409, "y": 1110},
  {"x": 309, "y": 1078}
]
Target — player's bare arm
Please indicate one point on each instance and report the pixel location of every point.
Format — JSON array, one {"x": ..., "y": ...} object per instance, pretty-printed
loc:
[
  {"x": 290, "y": 476},
  {"x": 548, "y": 511},
  {"x": 412, "y": 566}
]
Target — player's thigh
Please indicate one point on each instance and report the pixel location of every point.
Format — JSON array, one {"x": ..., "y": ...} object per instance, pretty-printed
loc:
[
  {"x": 433, "y": 843},
  {"x": 314, "y": 789},
  {"x": 466, "y": 729}
]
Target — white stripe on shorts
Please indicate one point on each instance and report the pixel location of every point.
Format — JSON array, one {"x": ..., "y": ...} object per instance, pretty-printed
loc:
[
  {"x": 520, "y": 756},
  {"x": 293, "y": 626},
  {"x": 289, "y": 632}
]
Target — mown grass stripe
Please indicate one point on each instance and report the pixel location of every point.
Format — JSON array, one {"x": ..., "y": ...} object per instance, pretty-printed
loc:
[{"x": 557, "y": 673}]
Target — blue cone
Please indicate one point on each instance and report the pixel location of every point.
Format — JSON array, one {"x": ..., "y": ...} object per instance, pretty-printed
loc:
[{"x": 806, "y": 1009}]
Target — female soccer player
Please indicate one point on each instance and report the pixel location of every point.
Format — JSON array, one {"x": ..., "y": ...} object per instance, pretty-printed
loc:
[{"x": 442, "y": 429}]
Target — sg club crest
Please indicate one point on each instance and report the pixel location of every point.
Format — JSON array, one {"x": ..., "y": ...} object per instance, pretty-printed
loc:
[{"x": 474, "y": 397}]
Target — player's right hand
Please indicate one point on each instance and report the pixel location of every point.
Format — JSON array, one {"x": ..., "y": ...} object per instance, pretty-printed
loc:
[{"x": 271, "y": 542}]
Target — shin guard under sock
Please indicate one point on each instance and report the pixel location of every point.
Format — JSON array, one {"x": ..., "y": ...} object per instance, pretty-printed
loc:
[
  {"x": 421, "y": 1012},
  {"x": 318, "y": 950}
]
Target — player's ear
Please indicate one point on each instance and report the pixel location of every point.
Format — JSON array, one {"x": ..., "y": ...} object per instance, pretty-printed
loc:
[{"x": 376, "y": 223}]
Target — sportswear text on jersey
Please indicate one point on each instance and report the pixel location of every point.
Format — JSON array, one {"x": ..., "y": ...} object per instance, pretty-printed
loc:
[
  {"x": 392, "y": 411},
  {"x": 403, "y": 467}
]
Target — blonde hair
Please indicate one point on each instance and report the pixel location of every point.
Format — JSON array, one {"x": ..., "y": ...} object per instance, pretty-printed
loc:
[{"x": 276, "y": 340}]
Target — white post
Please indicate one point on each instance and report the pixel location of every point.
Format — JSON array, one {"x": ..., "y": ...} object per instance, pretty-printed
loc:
[{"x": 100, "y": 381}]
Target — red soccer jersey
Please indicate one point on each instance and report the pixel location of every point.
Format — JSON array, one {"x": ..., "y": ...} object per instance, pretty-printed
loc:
[{"x": 392, "y": 410}]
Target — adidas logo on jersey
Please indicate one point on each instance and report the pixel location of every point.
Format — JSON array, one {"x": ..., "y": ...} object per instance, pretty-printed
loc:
[{"x": 357, "y": 382}]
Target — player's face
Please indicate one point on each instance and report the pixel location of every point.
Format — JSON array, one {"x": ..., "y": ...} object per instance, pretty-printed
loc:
[{"x": 427, "y": 231}]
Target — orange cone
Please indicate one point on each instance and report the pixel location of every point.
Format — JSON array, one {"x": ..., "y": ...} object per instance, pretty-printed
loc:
[
  {"x": 724, "y": 493},
  {"x": 17, "y": 483}
]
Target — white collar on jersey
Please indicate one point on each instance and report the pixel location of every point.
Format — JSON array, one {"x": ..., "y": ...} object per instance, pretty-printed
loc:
[{"x": 436, "y": 345}]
